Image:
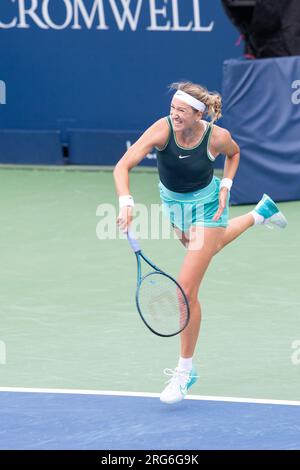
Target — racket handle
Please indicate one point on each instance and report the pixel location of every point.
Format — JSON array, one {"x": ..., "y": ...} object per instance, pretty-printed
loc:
[{"x": 133, "y": 242}]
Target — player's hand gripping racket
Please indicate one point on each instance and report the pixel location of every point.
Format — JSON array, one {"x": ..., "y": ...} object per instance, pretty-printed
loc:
[{"x": 160, "y": 300}]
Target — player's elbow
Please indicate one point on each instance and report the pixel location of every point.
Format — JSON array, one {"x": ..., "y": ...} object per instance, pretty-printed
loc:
[
  {"x": 238, "y": 155},
  {"x": 234, "y": 152},
  {"x": 120, "y": 169},
  {"x": 235, "y": 148}
]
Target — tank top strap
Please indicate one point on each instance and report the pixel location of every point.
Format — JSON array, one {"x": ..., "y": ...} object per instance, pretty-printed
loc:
[
  {"x": 170, "y": 122},
  {"x": 209, "y": 129}
]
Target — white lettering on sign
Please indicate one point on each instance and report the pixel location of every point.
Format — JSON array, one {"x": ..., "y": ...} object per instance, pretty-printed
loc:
[{"x": 161, "y": 15}]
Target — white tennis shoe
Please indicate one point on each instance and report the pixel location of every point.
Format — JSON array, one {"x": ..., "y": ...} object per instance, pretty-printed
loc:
[{"x": 178, "y": 385}]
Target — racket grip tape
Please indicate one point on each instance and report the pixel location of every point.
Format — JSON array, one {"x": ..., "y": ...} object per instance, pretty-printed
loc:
[{"x": 133, "y": 242}]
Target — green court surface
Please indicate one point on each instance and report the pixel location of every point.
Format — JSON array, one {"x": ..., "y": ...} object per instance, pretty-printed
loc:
[{"x": 68, "y": 317}]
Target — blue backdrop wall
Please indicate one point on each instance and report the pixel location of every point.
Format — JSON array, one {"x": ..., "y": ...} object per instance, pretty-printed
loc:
[
  {"x": 105, "y": 64},
  {"x": 100, "y": 65}
]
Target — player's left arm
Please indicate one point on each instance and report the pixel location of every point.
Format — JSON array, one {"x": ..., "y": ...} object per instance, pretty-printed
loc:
[{"x": 228, "y": 147}]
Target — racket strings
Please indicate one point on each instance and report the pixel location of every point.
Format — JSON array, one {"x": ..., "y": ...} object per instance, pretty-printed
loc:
[{"x": 163, "y": 304}]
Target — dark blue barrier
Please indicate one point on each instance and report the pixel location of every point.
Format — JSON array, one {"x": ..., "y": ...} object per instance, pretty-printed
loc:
[
  {"x": 262, "y": 111},
  {"x": 30, "y": 147},
  {"x": 96, "y": 147}
]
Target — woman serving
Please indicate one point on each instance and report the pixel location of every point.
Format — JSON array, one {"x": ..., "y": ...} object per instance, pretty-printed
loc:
[{"x": 195, "y": 201}]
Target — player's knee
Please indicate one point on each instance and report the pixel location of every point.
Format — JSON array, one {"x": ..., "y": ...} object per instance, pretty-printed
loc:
[{"x": 190, "y": 291}]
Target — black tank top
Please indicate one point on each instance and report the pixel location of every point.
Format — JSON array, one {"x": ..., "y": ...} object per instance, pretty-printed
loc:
[{"x": 184, "y": 170}]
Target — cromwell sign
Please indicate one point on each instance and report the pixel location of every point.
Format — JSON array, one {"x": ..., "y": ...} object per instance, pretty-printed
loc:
[{"x": 161, "y": 15}]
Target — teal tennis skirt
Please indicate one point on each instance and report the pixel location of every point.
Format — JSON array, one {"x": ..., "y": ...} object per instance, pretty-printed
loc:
[{"x": 194, "y": 208}]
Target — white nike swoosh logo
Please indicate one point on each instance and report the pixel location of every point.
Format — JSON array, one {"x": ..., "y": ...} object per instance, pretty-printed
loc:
[
  {"x": 184, "y": 156},
  {"x": 183, "y": 390}
]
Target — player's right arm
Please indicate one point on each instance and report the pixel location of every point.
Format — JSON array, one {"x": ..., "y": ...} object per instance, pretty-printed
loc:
[{"x": 154, "y": 136}]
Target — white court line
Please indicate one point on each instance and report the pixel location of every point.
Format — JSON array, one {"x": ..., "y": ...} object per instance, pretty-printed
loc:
[{"x": 147, "y": 395}]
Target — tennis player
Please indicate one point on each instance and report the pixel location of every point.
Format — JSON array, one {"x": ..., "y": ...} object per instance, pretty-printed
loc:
[{"x": 187, "y": 146}]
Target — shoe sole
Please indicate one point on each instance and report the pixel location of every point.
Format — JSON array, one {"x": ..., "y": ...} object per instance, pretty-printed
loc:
[{"x": 277, "y": 220}]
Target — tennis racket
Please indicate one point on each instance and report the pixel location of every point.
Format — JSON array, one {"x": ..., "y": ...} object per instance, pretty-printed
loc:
[{"x": 160, "y": 300}]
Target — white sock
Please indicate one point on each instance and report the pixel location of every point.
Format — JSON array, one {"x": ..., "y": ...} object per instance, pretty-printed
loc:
[
  {"x": 185, "y": 363},
  {"x": 258, "y": 219}
]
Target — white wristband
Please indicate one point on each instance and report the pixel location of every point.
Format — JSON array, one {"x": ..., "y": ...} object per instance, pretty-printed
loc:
[
  {"x": 126, "y": 201},
  {"x": 226, "y": 183}
]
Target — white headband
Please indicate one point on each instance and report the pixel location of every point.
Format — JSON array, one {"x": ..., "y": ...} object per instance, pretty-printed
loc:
[{"x": 188, "y": 99}]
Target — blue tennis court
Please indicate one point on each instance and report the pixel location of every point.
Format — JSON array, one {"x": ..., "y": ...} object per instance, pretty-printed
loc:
[{"x": 86, "y": 420}]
